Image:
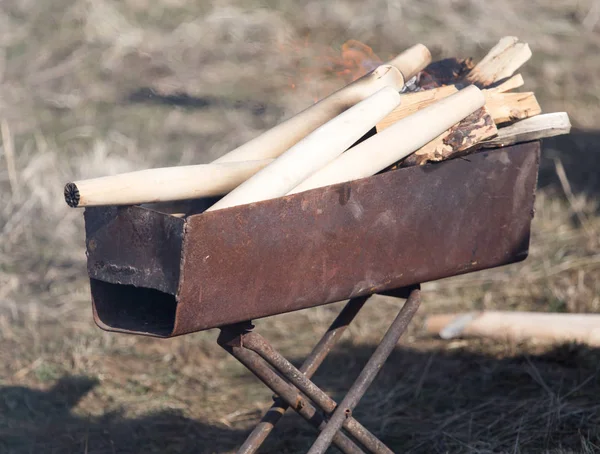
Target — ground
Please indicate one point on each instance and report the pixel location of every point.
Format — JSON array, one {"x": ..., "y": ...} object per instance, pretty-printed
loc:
[{"x": 90, "y": 88}]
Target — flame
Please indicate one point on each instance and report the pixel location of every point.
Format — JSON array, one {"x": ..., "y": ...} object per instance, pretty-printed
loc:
[
  {"x": 321, "y": 69},
  {"x": 357, "y": 59}
]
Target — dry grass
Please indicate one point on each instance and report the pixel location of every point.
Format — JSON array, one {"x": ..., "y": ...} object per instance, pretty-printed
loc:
[{"x": 89, "y": 88}]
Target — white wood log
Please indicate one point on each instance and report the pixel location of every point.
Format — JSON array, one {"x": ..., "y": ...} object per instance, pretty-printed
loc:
[
  {"x": 412, "y": 60},
  {"x": 162, "y": 185},
  {"x": 398, "y": 141},
  {"x": 518, "y": 326},
  {"x": 314, "y": 151},
  {"x": 278, "y": 139}
]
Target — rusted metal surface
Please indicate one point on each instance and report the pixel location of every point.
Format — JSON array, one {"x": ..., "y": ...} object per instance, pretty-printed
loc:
[
  {"x": 231, "y": 339},
  {"x": 344, "y": 411},
  {"x": 309, "y": 367},
  {"x": 134, "y": 246},
  {"x": 372, "y": 235}
]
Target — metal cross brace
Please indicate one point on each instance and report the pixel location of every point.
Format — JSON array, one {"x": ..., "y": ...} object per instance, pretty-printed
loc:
[{"x": 295, "y": 389}]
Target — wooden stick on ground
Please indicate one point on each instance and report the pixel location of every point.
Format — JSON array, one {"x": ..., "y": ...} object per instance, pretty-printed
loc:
[
  {"x": 161, "y": 185},
  {"x": 518, "y": 326},
  {"x": 403, "y": 138},
  {"x": 313, "y": 152}
]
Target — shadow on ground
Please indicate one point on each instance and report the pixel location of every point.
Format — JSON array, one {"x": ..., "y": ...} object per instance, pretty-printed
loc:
[
  {"x": 43, "y": 422},
  {"x": 579, "y": 153},
  {"x": 434, "y": 401}
]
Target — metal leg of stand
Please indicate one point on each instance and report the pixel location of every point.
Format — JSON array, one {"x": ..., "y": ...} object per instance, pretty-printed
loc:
[
  {"x": 288, "y": 393},
  {"x": 368, "y": 374},
  {"x": 309, "y": 367},
  {"x": 296, "y": 390}
]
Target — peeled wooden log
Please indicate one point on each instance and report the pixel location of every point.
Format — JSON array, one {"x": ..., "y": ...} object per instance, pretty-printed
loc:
[
  {"x": 403, "y": 138},
  {"x": 280, "y": 138},
  {"x": 167, "y": 184},
  {"x": 518, "y": 326},
  {"x": 411, "y": 61},
  {"x": 161, "y": 185},
  {"x": 313, "y": 152},
  {"x": 463, "y": 136}
]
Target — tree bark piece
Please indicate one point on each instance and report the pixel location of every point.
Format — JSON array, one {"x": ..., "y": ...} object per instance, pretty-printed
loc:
[
  {"x": 501, "y": 62},
  {"x": 161, "y": 185},
  {"x": 313, "y": 152},
  {"x": 518, "y": 326},
  {"x": 395, "y": 143},
  {"x": 535, "y": 128},
  {"x": 457, "y": 140}
]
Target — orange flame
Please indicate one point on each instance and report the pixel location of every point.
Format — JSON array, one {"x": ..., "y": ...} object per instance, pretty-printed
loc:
[
  {"x": 357, "y": 59},
  {"x": 316, "y": 63}
]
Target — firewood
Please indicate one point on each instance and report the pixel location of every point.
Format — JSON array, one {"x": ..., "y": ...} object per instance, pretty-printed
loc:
[
  {"x": 413, "y": 102},
  {"x": 518, "y": 326},
  {"x": 461, "y": 137},
  {"x": 503, "y": 107},
  {"x": 509, "y": 84},
  {"x": 411, "y": 61},
  {"x": 396, "y": 142},
  {"x": 507, "y": 107},
  {"x": 161, "y": 185},
  {"x": 313, "y": 152},
  {"x": 501, "y": 62},
  {"x": 539, "y": 127},
  {"x": 280, "y": 138}
]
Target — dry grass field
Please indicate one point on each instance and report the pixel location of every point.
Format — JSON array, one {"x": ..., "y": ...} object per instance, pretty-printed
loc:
[{"x": 95, "y": 87}]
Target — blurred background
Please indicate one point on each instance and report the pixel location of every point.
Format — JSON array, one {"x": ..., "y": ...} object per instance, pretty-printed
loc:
[{"x": 96, "y": 87}]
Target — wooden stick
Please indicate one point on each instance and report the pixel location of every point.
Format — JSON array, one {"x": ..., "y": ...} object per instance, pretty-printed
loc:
[
  {"x": 412, "y": 61},
  {"x": 161, "y": 185},
  {"x": 503, "y": 107},
  {"x": 518, "y": 326},
  {"x": 276, "y": 140},
  {"x": 398, "y": 141},
  {"x": 313, "y": 152},
  {"x": 539, "y": 127},
  {"x": 455, "y": 141},
  {"x": 501, "y": 62}
]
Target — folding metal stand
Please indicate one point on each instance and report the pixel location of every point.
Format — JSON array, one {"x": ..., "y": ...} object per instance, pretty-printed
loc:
[{"x": 295, "y": 389}]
